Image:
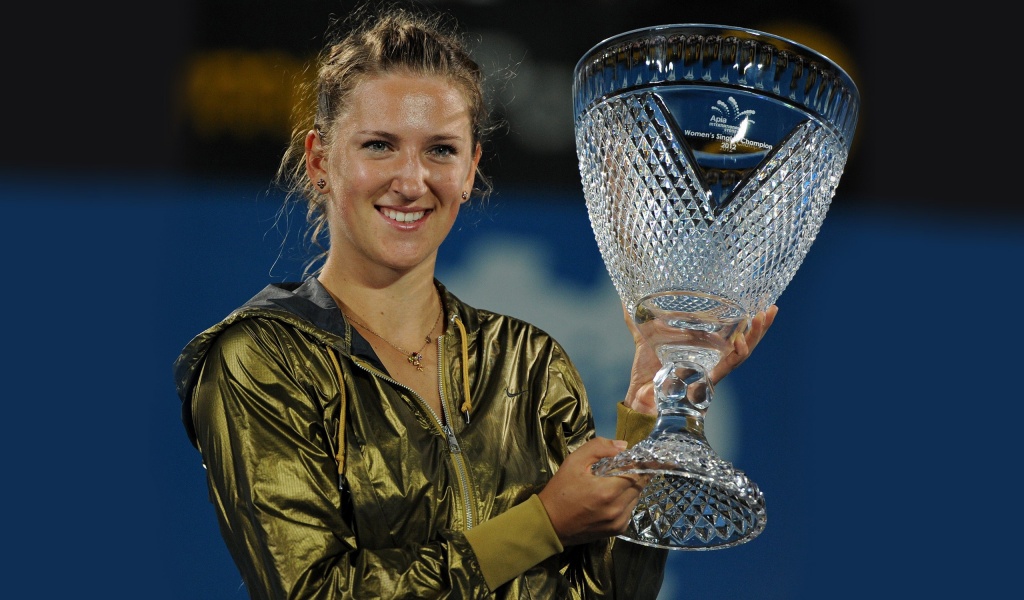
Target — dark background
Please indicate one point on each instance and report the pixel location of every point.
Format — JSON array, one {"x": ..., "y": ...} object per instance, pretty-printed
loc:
[{"x": 103, "y": 87}]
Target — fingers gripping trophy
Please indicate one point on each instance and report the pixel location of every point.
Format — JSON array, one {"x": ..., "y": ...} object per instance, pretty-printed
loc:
[{"x": 709, "y": 156}]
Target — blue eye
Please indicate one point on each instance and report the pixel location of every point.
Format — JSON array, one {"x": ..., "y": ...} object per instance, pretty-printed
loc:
[{"x": 445, "y": 150}]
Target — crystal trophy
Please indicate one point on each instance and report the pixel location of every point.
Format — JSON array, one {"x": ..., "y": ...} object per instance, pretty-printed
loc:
[{"x": 709, "y": 156}]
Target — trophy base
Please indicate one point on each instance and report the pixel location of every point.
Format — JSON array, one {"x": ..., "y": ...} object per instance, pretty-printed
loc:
[{"x": 694, "y": 500}]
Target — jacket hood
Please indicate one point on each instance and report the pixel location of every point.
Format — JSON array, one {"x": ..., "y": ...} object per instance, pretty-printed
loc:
[{"x": 308, "y": 307}]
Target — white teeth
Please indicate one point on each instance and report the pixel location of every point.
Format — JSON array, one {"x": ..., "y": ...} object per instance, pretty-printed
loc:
[{"x": 403, "y": 217}]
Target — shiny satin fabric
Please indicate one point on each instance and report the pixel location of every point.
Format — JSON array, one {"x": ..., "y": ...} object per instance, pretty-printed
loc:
[{"x": 261, "y": 401}]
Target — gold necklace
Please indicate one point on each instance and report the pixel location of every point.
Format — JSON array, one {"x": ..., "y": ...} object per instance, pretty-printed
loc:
[{"x": 414, "y": 358}]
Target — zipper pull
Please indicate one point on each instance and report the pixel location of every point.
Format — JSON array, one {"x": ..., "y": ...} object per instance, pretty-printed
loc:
[{"x": 453, "y": 443}]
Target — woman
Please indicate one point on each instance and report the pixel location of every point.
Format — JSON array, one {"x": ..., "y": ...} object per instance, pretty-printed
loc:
[{"x": 368, "y": 435}]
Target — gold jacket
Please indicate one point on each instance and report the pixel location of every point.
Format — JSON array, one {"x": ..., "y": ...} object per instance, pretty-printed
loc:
[{"x": 332, "y": 480}]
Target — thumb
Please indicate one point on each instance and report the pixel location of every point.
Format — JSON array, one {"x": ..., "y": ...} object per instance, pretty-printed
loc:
[{"x": 596, "y": 449}]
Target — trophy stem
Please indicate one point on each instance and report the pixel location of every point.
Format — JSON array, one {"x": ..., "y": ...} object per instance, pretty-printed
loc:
[{"x": 695, "y": 500}]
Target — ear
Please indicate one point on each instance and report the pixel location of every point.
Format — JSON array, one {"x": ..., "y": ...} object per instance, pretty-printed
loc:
[
  {"x": 471, "y": 179},
  {"x": 316, "y": 162}
]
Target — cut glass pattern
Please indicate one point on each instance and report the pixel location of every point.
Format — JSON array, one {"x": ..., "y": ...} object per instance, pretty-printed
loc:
[{"x": 709, "y": 156}]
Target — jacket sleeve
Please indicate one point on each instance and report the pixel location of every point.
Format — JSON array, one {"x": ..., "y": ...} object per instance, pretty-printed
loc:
[
  {"x": 638, "y": 570},
  {"x": 259, "y": 423},
  {"x": 611, "y": 568}
]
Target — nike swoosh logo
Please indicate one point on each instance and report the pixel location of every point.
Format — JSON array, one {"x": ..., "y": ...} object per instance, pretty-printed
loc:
[{"x": 511, "y": 394}]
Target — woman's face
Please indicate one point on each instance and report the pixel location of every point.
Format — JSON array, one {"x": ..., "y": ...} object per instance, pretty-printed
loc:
[{"x": 400, "y": 158}]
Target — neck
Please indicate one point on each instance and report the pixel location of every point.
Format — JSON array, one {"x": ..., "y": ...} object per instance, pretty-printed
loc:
[{"x": 399, "y": 311}]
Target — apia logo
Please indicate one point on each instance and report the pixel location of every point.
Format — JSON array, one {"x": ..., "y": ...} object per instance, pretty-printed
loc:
[
  {"x": 733, "y": 122},
  {"x": 727, "y": 115}
]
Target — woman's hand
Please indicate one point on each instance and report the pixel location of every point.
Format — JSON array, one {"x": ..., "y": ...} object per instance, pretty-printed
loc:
[
  {"x": 583, "y": 506},
  {"x": 640, "y": 395},
  {"x": 744, "y": 345}
]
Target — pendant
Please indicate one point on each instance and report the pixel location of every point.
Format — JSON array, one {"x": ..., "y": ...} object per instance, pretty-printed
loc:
[{"x": 415, "y": 359}]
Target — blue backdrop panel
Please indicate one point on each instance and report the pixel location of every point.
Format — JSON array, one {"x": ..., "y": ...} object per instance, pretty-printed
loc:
[{"x": 878, "y": 416}]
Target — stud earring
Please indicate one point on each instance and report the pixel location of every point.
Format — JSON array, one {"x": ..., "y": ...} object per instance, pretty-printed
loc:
[
  {"x": 320, "y": 183},
  {"x": 465, "y": 195}
]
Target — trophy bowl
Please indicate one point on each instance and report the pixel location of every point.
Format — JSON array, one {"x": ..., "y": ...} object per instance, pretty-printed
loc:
[{"x": 709, "y": 156}]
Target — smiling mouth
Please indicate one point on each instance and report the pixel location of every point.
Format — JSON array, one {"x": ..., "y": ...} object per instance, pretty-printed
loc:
[{"x": 402, "y": 217}]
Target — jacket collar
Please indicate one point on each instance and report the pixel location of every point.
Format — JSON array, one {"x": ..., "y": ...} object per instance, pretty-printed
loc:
[{"x": 308, "y": 300}]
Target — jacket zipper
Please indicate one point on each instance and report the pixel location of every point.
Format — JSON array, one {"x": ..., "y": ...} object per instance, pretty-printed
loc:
[
  {"x": 454, "y": 449},
  {"x": 453, "y": 442}
]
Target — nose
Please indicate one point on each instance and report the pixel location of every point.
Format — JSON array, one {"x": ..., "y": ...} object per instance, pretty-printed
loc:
[{"x": 410, "y": 177}]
